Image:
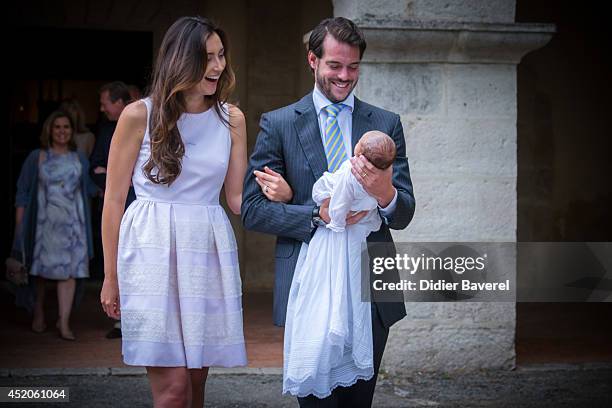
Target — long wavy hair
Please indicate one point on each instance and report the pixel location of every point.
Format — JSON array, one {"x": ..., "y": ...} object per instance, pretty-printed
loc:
[{"x": 181, "y": 65}]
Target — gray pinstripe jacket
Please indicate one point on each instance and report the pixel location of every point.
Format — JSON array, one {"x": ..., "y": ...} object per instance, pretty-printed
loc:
[{"x": 289, "y": 142}]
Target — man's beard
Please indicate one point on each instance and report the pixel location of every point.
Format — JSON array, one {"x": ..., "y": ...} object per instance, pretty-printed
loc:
[{"x": 325, "y": 86}]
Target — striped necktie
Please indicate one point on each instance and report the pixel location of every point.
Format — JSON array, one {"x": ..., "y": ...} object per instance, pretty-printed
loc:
[{"x": 334, "y": 145}]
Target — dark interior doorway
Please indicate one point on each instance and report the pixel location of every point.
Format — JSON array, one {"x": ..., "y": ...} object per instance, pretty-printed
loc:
[
  {"x": 47, "y": 65},
  {"x": 564, "y": 191}
]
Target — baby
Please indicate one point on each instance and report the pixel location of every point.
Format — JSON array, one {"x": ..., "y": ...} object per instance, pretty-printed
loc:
[
  {"x": 377, "y": 147},
  {"x": 345, "y": 191},
  {"x": 328, "y": 331}
]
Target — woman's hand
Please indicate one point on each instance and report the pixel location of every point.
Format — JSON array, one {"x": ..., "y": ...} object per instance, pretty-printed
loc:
[
  {"x": 273, "y": 185},
  {"x": 109, "y": 298}
]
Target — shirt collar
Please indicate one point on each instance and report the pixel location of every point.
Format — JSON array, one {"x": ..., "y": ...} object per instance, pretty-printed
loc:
[{"x": 321, "y": 101}]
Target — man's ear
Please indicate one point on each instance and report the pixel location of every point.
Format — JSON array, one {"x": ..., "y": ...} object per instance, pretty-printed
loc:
[{"x": 312, "y": 60}]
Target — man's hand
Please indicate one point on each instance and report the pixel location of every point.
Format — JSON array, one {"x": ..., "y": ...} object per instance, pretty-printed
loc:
[
  {"x": 273, "y": 185},
  {"x": 99, "y": 170},
  {"x": 376, "y": 182}
]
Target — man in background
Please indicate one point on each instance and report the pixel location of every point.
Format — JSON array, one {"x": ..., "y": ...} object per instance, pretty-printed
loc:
[{"x": 114, "y": 97}]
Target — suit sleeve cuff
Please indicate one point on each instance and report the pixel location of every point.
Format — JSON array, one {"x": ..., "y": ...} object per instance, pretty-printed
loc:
[{"x": 386, "y": 212}]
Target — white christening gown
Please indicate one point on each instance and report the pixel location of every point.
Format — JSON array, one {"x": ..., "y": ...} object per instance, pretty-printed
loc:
[{"x": 328, "y": 331}]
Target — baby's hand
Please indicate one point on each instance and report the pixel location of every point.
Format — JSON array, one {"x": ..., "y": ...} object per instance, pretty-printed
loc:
[
  {"x": 354, "y": 217},
  {"x": 324, "y": 211}
]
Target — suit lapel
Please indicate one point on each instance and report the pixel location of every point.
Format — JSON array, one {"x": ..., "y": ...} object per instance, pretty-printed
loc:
[
  {"x": 361, "y": 122},
  {"x": 307, "y": 128}
]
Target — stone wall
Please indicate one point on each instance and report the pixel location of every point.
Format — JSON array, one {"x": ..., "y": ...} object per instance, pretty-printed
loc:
[{"x": 449, "y": 70}]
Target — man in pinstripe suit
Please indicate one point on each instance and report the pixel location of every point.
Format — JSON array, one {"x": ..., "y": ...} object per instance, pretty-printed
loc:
[{"x": 290, "y": 155}]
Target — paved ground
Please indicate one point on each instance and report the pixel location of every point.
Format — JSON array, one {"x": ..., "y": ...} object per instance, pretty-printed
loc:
[
  {"x": 571, "y": 335},
  {"x": 545, "y": 333},
  {"x": 561, "y": 386}
]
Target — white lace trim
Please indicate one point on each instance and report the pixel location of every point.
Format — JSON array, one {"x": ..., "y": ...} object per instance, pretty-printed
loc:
[
  {"x": 200, "y": 236},
  {"x": 293, "y": 390},
  {"x": 191, "y": 280},
  {"x": 191, "y": 329}
]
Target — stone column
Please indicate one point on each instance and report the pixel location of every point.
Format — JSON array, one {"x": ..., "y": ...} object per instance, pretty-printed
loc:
[{"x": 449, "y": 69}]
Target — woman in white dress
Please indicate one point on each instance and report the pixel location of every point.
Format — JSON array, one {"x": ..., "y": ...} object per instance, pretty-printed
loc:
[{"x": 171, "y": 266}]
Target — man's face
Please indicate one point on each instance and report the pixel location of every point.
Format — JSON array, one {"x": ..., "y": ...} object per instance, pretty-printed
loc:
[
  {"x": 112, "y": 110},
  {"x": 337, "y": 71}
]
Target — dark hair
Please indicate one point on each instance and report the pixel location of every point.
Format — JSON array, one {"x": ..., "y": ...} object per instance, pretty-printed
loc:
[
  {"x": 342, "y": 29},
  {"x": 379, "y": 149},
  {"x": 46, "y": 135},
  {"x": 117, "y": 90},
  {"x": 73, "y": 108},
  {"x": 181, "y": 65}
]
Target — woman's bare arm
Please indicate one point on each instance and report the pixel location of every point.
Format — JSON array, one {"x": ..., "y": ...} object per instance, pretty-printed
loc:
[
  {"x": 124, "y": 150},
  {"x": 234, "y": 178}
]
